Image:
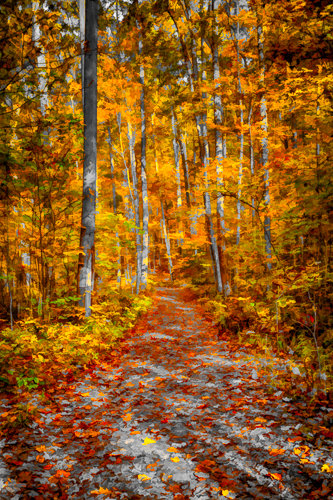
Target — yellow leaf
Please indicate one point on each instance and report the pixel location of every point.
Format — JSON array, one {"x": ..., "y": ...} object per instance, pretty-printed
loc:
[
  {"x": 225, "y": 493},
  {"x": 173, "y": 449},
  {"x": 143, "y": 477},
  {"x": 302, "y": 450},
  {"x": 326, "y": 468},
  {"x": 148, "y": 441},
  {"x": 127, "y": 417},
  {"x": 259, "y": 419},
  {"x": 174, "y": 459},
  {"x": 85, "y": 394}
]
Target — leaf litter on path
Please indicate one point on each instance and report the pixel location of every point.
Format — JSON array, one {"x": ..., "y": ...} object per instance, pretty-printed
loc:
[{"x": 181, "y": 416}]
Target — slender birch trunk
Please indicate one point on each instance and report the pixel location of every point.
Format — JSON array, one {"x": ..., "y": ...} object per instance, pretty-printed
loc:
[
  {"x": 82, "y": 14},
  {"x": 264, "y": 149},
  {"x": 145, "y": 208},
  {"x": 87, "y": 239},
  {"x": 179, "y": 190},
  {"x": 131, "y": 142},
  {"x": 183, "y": 151},
  {"x": 219, "y": 152},
  {"x": 167, "y": 242},
  {"x": 241, "y": 137},
  {"x": 46, "y": 270},
  {"x": 249, "y": 121},
  {"x": 114, "y": 204},
  {"x": 204, "y": 152}
]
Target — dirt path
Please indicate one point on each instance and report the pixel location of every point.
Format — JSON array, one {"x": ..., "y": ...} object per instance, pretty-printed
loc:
[{"x": 181, "y": 417}]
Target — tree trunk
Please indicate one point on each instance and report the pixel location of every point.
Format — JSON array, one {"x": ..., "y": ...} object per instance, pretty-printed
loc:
[
  {"x": 219, "y": 154},
  {"x": 179, "y": 190},
  {"x": 87, "y": 239},
  {"x": 145, "y": 208},
  {"x": 167, "y": 242},
  {"x": 114, "y": 204},
  {"x": 131, "y": 142},
  {"x": 204, "y": 153},
  {"x": 264, "y": 149}
]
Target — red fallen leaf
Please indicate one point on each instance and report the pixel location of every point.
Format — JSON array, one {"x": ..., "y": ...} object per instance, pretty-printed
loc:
[
  {"x": 48, "y": 466},
  {"x": 25, "y": 476},
  {"x": 205, "y": 405},
  {"x": 164, "y": 421},
  {"x": 311, "y": 319},
  {"x": 15, "y": 462}
]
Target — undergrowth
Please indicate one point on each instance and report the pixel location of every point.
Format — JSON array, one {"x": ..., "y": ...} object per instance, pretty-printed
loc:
[
  {"x": 34, "y": 355},
  {"x": 253, "y": 324}
]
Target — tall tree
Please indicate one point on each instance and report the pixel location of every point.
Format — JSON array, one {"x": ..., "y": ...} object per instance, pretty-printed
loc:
[
  {"x": 144, "y": 186},
  {"x": 87, "y": 239}
]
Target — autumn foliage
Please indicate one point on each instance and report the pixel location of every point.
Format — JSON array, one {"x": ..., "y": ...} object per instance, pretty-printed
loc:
[{"x": 273, "y": 177}]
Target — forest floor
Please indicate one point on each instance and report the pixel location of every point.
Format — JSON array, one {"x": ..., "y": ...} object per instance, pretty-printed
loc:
[{"x": 181, "y": 415}]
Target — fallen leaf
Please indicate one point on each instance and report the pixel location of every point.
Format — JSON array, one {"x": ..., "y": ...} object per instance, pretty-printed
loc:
[
  {"x": 148, "y": 441},
  {"x": 277, "y": 451},
  {"x": 41, "y": 448},
  {"x": 302, "y": 450},
  {"x": 275, "y": 475},
  {"x": 101, "y": 491},
  {"x": 143, "y": 477}
]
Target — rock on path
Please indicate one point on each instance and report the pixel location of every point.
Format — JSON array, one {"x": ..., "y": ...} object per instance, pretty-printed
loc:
[{"x": 181, "y": 417}]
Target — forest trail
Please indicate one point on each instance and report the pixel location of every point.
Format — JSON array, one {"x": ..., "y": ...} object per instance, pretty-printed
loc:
[{"x": 181, "y": 416}]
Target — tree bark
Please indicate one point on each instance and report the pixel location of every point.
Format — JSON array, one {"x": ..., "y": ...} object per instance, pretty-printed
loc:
[
  {"x": 87, "y": 239},
  {"x": 131, "y": 142},
  {"x": 145, "y": 208},
  {"x": 264, "y": 149}
]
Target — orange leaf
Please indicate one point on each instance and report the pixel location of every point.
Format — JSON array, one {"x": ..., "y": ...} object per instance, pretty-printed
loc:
[
  {"x": 275, "y": 475},
  {"x": 41, "y": 448},
  {"x": 48, "y": 466},
  {"x": 277, "y": 451},
  {"x": 101, "y": 491},
  {"x": 62, "y": 473}
]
